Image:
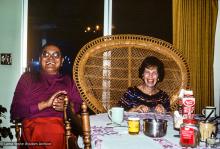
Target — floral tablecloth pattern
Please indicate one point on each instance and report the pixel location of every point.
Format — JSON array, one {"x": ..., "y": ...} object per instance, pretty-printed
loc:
[{"x": 107, "y": 135}]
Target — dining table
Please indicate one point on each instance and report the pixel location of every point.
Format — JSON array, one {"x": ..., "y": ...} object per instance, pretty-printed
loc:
[{"x": 108, "y": 135}]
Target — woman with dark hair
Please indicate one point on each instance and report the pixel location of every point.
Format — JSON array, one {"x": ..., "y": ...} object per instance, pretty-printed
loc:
[
  {"x": 146, "y": 97},
  {"x": 39, "y": 97}
]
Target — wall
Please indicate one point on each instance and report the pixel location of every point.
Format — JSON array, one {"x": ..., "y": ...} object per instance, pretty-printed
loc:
[{"x": 11, "y": 33}]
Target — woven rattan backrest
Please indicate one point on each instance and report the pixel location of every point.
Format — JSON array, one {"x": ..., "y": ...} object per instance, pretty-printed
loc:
[{"x": 105, "y": 67}]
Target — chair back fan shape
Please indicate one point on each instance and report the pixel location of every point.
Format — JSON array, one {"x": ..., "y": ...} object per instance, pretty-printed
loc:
[{"x": 105, "y": 67}]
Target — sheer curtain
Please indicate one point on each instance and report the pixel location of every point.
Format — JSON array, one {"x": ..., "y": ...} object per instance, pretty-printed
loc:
[
  {"x": 217, "y": 64},
  {"x": 194, "y": 24}
]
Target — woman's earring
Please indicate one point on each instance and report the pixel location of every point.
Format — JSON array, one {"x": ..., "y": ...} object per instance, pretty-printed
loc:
[{"x": 158, "y": 79}]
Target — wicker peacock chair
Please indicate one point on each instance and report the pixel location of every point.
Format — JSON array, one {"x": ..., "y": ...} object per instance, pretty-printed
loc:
[{"x": 105, "y": 67}]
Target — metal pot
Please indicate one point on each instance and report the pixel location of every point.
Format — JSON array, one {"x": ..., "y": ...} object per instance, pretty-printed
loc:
[{"x": 155, "y": 127}]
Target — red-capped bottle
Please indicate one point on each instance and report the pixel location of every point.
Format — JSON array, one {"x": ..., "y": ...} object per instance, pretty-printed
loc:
[{"x": 189, "y": 133}]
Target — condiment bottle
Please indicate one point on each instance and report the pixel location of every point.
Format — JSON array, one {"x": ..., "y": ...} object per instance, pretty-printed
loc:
[{"x": 189, "y": 133}]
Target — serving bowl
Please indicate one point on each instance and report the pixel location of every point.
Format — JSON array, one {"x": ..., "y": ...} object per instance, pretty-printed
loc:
[{"x": 155, "y": 127}]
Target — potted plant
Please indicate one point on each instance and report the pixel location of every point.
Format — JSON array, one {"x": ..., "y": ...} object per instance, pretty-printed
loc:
[{"x": 4, "y": 131}]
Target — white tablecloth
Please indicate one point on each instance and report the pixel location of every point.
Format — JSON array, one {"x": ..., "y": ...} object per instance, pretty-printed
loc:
[{"x": 106, "y": 135}]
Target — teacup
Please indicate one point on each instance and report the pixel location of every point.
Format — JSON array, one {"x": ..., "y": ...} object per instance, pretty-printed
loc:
[
  {"x": 206, "y": 130},
  {"x": 207, "y": 110},
  {"x": 116, "y": 114}
]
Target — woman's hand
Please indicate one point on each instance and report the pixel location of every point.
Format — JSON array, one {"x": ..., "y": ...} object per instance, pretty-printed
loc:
[
  {"x": 140, "y": 109},
  {"x": 160, "y": 109},
  {"x": 59, "y": 102},
  {"x": 49, "y": 103}
]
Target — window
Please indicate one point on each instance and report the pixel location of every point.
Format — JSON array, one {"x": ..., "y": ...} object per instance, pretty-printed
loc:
[{"x": 145, "y": 17}]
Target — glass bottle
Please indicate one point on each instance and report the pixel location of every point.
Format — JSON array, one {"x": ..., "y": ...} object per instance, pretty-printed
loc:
[
  {"x": 189, "y": 133},
  {"x": 133, "y": 125}
]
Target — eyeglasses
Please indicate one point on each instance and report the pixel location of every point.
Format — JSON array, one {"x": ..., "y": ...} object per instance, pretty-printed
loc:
[
  {"x": 150, "y": 73},
  {"x": 54, "y": 55}
]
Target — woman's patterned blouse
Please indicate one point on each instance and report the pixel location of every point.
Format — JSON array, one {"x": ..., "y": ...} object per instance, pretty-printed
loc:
[{"x": 134, "y": 97}]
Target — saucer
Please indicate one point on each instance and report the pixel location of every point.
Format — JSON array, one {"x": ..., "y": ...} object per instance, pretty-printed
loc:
[{"x": 121, "y": 129}]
